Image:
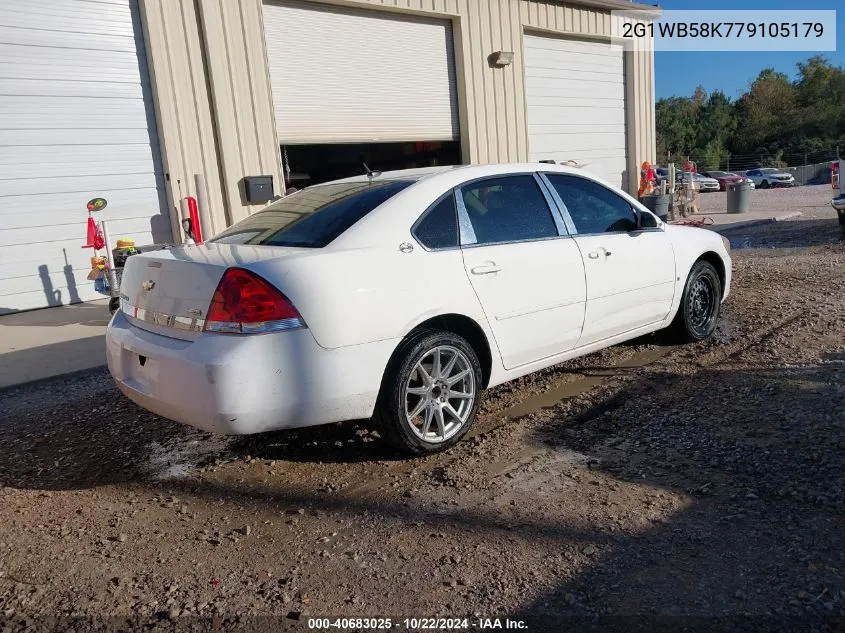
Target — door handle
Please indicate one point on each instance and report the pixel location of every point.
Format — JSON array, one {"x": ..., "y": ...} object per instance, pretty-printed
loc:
[
  {"x": 598, "y": 253},
  {"x": 487, "y": 269}
]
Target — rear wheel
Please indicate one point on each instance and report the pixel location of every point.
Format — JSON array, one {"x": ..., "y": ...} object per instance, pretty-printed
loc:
[
  {"x": 430, "y": 393},
  {"x": 700, "y": 304}
]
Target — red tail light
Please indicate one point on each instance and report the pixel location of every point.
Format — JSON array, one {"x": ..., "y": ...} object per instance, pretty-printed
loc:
[{"x": 244, "y": 303}]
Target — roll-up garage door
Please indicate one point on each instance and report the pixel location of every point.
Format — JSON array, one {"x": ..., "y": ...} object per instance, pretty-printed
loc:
[
  {"x": 575, "y": 92},
  {"x": 355, "y": 76},
  {"x": 76, "y": 122}
]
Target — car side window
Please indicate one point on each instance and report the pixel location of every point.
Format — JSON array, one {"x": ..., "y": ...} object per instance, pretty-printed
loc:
[
  {"x": 438, "y": 227},
  {"x": 508, "y": 209},
  {"x": 593, "y": 207}
]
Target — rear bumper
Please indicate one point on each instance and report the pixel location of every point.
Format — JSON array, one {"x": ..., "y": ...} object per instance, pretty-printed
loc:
[{"x": 238, "y": 385}]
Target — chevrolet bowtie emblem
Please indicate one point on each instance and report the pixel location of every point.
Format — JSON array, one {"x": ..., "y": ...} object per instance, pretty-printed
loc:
[{"x": 148, "y": 285}]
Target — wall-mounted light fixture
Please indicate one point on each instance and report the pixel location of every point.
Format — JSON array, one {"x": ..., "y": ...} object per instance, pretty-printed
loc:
[{"x": 501, "y": 58}]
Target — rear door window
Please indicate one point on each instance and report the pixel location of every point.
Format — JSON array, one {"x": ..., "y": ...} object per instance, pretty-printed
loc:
[
  {"x": 313, "y": 217},
  {"x": 508, "y": 209}
]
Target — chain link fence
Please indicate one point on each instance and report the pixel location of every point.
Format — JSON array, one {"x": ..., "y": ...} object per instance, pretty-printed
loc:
[{"x": 817, "y": 173}]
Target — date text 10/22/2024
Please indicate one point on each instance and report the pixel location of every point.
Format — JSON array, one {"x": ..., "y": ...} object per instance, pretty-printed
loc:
[{"x": 417, "y": 624}]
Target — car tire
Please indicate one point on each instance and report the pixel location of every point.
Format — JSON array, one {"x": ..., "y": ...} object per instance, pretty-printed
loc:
[
  {"x": 700, "y": 305},
  {"x": 764, "y": 184},
  {"x": 114, "y": 305},
  {"x": 415, "y": 412}
]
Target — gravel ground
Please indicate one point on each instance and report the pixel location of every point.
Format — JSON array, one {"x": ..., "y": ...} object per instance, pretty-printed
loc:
[{"x": 697, "y": 486}]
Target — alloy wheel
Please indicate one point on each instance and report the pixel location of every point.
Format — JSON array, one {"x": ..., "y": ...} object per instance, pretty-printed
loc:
[{"x": 439, "y": 394}]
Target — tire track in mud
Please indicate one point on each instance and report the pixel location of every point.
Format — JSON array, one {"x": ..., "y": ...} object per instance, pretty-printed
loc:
[{"x": 570, "y": 383}]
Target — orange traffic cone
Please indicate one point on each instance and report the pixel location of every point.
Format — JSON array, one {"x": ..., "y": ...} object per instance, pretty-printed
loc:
[
  {"x": 92, "y": 233},
  {"x": 95, "y": 236}
]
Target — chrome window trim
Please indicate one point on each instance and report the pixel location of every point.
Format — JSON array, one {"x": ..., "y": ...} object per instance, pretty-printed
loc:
[
  {"x": 465, "y": 225},
  {"x": 564, "y": 212},
  {"x": 531, "y": 240},
  {"x": 466, "y": 232},
  {"x": 557, "y": 215},
  {"x": 425, "y": 213}
]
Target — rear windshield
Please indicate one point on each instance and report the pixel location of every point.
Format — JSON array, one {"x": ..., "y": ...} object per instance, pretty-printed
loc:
[{"x": 313, "y": 217}]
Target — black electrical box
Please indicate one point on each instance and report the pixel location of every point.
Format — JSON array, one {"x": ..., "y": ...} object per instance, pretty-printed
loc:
[{"x": 258, "y": 188}]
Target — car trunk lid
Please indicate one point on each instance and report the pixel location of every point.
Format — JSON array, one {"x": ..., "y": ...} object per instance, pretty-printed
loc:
[{"x": 168, "y": 291}]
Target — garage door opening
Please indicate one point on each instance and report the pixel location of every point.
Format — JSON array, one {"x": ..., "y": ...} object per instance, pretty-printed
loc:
[{"x": 307, "y": 165}]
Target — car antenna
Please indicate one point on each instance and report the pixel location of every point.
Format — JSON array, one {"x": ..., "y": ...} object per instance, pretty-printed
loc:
[{"x": 370, "y": 173}]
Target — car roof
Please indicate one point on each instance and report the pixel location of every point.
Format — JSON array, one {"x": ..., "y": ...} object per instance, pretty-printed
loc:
[
  {"x": 462, "y": 173},
  {"x": 398, "y": 174},
  {"x": 395, "y": 216}
]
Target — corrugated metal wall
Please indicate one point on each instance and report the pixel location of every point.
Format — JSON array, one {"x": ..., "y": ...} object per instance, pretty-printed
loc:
[
  {"x": 180, "y": 85},
  {"x": 492, "y": 100}
]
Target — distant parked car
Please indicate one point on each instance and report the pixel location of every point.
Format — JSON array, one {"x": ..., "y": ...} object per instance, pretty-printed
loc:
[
  {"x": 725, "y": 178},
  {"x": 704, "y": 183},
  {"x": 770, "y": 177}
]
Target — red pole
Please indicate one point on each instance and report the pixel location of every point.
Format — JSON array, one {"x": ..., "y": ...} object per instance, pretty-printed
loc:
[{"x": 193, "y": 212}]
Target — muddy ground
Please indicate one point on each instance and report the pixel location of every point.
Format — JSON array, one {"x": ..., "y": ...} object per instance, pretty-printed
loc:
[{"x": 695, "y": 486}]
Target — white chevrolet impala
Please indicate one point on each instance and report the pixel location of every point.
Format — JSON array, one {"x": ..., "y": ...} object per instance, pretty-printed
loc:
[{"x": 401, "y": 296}]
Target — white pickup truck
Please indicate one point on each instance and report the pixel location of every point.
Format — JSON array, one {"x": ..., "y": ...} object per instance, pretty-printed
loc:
[{"x": 838, "y": 202}]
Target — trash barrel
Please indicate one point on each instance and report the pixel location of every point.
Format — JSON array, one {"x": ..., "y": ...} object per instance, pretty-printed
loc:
[
  {"x": 658, "y": 205},
  {"x": 739, "y": 197}
]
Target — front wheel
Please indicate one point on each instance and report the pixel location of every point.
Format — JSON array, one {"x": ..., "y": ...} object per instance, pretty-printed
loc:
[
  {"x": 430, "y": 393},
  {"x": 700, "y": 304},
  {"x": 764, "y": 184}
]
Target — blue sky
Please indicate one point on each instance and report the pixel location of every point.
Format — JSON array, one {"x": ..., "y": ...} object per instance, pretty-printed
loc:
[{"x": 732, "y": 72}]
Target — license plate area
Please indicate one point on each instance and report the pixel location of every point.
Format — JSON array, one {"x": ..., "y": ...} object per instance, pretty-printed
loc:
[{"x": 139, "y": 370}]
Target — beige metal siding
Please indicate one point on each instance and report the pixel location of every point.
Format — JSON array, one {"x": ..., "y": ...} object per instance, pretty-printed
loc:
[
  {"x": 183, "y": 111},
  {"x": 491, "y": 100},
  {"x": 240, "y": 88}
]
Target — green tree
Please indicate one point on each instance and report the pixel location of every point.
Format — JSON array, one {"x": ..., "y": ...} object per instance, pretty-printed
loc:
[
  {"x": 765, "y": 114},
  {"x": 775, "y": 122}
]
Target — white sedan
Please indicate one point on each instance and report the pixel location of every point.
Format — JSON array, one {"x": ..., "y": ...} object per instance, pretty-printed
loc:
[{"x": 401, "y": 296}]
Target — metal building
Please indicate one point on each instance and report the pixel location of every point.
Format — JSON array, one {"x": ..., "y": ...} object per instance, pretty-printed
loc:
[{"x": 128, "y": 99}]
